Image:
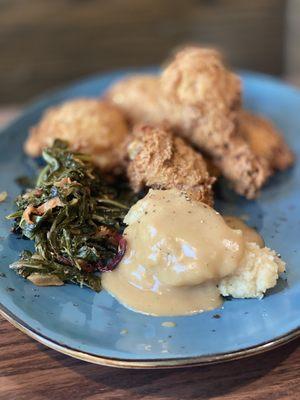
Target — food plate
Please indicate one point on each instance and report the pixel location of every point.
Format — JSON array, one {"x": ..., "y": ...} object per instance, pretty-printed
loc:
[{"x": 96, "y": 328}]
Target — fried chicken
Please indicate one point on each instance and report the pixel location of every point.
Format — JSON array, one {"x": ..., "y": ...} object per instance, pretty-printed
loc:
[
  {"x": 139, "y": 97},
  {"x": 199, "y": 99},
  {"x": 162, "y": 161},
  {"x": 88, "y": 125},
  {"x": 198, "y": 77},
  {"x": 265, "y": 141}
]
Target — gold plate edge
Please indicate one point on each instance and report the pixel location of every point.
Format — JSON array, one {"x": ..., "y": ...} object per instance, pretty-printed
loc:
[{"x": 149, "y": 364}]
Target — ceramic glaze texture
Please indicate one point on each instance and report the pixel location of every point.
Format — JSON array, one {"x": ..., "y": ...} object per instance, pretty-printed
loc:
[{"x": 96, "y": 323}]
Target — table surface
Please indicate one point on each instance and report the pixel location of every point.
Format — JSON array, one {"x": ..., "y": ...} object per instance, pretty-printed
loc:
[{"x": 29, "y": 370}]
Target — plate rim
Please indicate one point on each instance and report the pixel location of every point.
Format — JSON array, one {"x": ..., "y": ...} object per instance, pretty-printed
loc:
[
  {"x": 148, "y": 363},
  {"x": 31, "y": 107}
]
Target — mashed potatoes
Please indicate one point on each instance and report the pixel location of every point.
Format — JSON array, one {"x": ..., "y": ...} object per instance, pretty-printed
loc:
[
  {"x": 182, "y": 256},
  {"x": 259, "y": 271}
]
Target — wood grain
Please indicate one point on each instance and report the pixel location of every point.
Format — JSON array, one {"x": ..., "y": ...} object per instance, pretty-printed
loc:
[
  {"x": 46, "y": 43},
  {"x": 30, "y": 371}
]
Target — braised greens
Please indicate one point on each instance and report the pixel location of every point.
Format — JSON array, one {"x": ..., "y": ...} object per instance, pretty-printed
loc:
[{"x": 75, "y": 219}]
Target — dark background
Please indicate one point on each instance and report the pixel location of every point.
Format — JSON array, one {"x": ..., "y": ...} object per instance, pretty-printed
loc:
[{"x": 45, "y": 43}]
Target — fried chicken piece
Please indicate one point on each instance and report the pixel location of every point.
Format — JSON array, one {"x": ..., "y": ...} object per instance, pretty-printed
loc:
[
  {"x": 143, "y": 91},
  {"x": 198, "y": 82},
  {"x": 139, "y": 98},
  {"x": 162, "y": 161},
  {"x": 265, "y": 141},
  {"x": 198, "y": 77},
  {"x": 199, "y": 99},
  {"x": 88, "y": 125}
]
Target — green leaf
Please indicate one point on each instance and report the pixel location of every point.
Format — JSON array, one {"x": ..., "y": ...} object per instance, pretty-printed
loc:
[{"x": 71, "y": 239}]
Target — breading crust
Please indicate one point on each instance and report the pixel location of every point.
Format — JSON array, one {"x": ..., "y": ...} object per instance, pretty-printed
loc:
[
  {"x": 199, "y": 99},
  {"x": 161, "y": 160},
  {"x": 89, "y": 125},
  {"x": 265, "y": 140}
]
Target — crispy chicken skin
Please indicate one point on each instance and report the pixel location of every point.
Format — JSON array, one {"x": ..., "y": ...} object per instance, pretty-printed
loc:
[
  {"x": 89, "y": 125},
  {"x": 161, "y": 160},
  {"x": 197, "y": 81},
  {"x": 199, "y": 99},
  {"x": 265, "y": 141},
  {"x": 139, "y": 97},
  {"x": 198, "y": 77}
]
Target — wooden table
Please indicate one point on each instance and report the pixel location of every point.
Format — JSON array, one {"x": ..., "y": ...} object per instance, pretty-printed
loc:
[{"x": 31, "y": 371}]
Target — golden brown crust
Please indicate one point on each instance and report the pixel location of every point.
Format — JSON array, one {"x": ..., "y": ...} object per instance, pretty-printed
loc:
[
  {"x": 246, "y": 172},
  {"x": 89, "y": 125},
  {"x": 198, "y": 77},
  {"x": 265, "y": 141},
  {"x": 199, "y": 99},
  {"x": 209, "y": 96},
  {"x": 162, "y": 161},
  {"x": 139, "y": 97}
]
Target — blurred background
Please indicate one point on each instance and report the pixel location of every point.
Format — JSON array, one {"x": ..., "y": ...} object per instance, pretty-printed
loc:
[{"x": 46, "y": 43}]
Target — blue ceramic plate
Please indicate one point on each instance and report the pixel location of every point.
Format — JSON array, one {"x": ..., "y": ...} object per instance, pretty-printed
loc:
[{"x": 96, "y": 328}]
